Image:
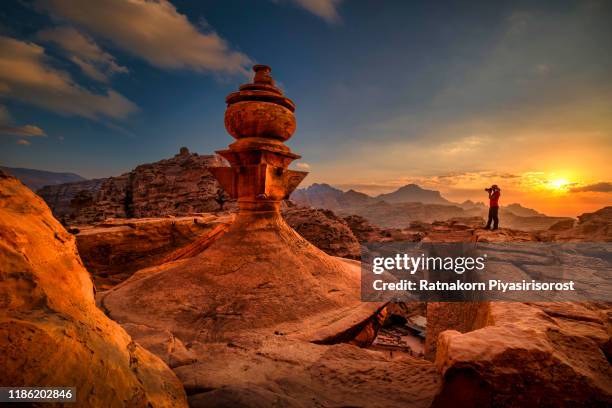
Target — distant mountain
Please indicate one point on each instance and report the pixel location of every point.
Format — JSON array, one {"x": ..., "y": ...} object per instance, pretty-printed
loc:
[
  {"x": 413, "y": 193},
  {"x": 328, "y": 197},
  {"x": 521, "y": 211},
  {"x": 413, "y": 203},
  {"x": 471, "y": 205},
  {"x": 318, "y": 196},
  {"x": 36, "y": 179}
]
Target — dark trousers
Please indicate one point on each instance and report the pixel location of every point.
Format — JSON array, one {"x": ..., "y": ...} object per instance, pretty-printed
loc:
[{"x": 493, "y": 217}]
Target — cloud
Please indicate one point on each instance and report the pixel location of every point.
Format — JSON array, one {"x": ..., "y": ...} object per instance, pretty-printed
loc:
[
  {"x": 84, "y": 52},
  {"x": 24, "y": 130},
  {"x": 152, "y": 30},
  {"x": 326, "y": 9},
  {"x": 27, "y": 76},
  {"x": 303, "y": 166},
  {"x": 603, "y": 187},
  {"x": 7, "y": 126},
  {"x": 23, "y": 142}
]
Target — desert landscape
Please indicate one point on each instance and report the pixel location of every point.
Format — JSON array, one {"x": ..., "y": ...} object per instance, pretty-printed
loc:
[
  {"x": 184, "y": 225},
  {"x": 214, "y": 288}
]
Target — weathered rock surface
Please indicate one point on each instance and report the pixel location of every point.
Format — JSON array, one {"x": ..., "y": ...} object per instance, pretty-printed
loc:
[
  {"x": 543, "y": 354},
  {"x": 213, "y": 287},
  {"x": 181, "y": 185},
  {"x": 74, "y": 201},
  {"x": 325, "y": 230},
  {"x": 113, "y": 250},
  {"x": 51, "y": 333},
  {"x": 285, "y": 373},
  {"x": 591, "y": 227}
]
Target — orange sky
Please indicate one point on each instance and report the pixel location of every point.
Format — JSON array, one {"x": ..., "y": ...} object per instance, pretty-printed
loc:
[{"x": 555, "y": 159}]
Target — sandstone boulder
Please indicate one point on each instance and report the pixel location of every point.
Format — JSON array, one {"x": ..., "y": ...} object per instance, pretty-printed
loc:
[
  {"x": 547, "y": 354},
  {"x": 51, "y": 333}
]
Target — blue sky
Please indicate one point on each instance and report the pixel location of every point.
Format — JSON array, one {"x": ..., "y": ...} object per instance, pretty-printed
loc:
[{"x": 447, "y": 94}]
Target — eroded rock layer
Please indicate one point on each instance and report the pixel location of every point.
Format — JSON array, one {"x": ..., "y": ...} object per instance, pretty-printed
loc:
[
  {"x": 113, "y": 250},
  {"x": 51, "y": 333},
  {"x": 180, "y": 185}
]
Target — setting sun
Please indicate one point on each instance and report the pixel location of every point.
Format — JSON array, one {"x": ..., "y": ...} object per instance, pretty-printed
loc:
[{"x": 560, "y": 184}]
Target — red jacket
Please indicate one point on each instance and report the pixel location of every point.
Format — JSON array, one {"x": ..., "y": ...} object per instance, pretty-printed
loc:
[{"x": 494, "y": 199}]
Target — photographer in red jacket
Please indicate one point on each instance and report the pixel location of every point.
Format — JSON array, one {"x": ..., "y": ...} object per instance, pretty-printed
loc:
[{"x": 494, "y": 193}]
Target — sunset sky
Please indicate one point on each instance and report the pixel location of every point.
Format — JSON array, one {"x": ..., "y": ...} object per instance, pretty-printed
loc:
[{"x": 453, "y": 96}]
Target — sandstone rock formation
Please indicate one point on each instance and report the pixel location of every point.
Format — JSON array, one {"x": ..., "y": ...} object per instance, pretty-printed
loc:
[
  {"x": 73, "y": 202},
  {"x": 363, "y": 230},
  {"x": 591, "y": 227},
  {"x": 51, "y": 333},
  {"x": 248, "y": 278},
  {"x": 543, "y": 354},
  {"x": 500, "y": 354},
  {"x": 325, "y": 230},
  {"x": 181, "y": 185},
  {"x": 252, "y": 317},
  {"x": 116, "y": 248}
]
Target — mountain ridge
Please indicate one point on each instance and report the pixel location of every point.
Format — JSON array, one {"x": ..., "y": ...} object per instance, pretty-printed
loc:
[{"x": 36, "y": 179}]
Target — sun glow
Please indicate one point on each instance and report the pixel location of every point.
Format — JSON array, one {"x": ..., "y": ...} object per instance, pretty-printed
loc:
[{"x": 559, "y": 184}]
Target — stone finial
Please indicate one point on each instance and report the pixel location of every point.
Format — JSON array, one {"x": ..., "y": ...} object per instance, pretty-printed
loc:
[
  {"x": 259, "y": 109},
  {"x": 262, "y": 75},
  {"x": 261, "y": 118}
]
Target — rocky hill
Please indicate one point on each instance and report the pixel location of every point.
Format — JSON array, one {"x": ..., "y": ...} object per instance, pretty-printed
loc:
[
  {"x": 413, "y": 193},
  {"x": 36, "y": 179},
  {"x": 180, "y": 185}
]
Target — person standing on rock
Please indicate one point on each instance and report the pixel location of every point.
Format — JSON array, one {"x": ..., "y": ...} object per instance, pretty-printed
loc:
[{"x": 494, "y": 193}]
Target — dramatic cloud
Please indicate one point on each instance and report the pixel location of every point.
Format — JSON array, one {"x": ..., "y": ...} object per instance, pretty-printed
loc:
[
  {"x": 27, "y": 76},
  {"x": 603, "y": 187},
  {"x": 303, "y": 166},
  {"x": 83, "y": 51},
  {"x": 23, "y": 142},
  {"x": 152, "y": 30},
  {"x": 25, "y": 130},
  {"x": 326, "y": 9}
]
